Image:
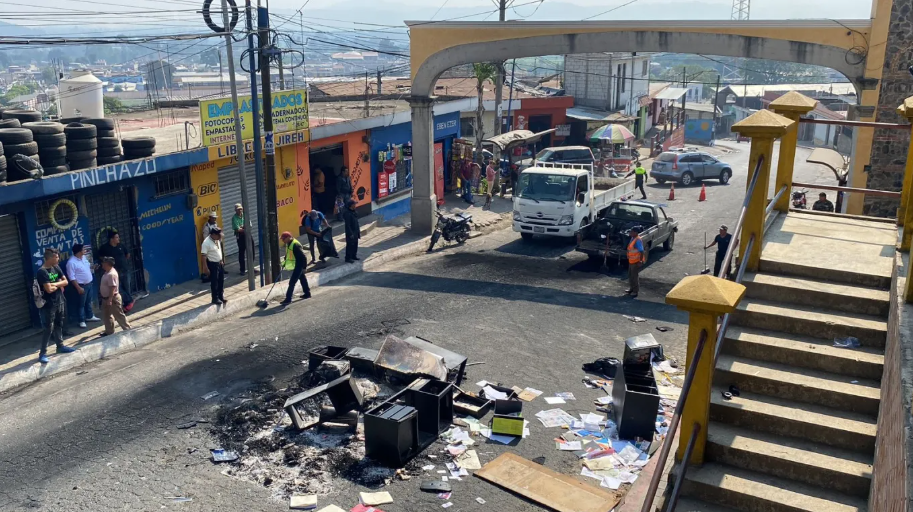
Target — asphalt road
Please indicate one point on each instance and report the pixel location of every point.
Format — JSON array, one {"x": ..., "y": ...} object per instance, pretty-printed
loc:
[{"x": 105, "y": 437}]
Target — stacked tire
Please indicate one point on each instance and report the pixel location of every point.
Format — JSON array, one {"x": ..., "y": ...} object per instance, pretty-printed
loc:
[
  {"x": 82, "y": 146},
  {"x": 23, "y": 116},
  {"x": 10, "y": 123},
  {"x": 138, "y": 147},
  {"x": 2, "y": 165},
  {"x": 17, "y": 141},
  {"x": 109, "y": 150},
  {"x": 52, "y": 149}
]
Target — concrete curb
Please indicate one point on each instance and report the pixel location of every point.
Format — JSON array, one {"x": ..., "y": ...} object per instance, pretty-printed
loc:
[{"x": 182, "y": 322}]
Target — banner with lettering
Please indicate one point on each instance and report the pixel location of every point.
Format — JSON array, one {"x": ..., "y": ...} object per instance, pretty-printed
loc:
[{"x": 290, "y": 113}]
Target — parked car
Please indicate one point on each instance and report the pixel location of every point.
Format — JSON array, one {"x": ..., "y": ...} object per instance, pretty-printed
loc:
[
  {"x": 688, "y": 167},
  {"x": 562, "y": 155}
]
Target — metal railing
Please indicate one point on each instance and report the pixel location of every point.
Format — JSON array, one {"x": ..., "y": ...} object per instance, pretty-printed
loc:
[
  {"x": 773, "y": 202},
  {"x": 698, "y": 352},
  {"x": 867, "y": 191}
]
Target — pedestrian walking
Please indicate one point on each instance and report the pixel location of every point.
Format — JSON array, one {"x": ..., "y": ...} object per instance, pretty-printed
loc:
[
  {"x": 114, "y": 249},
  {"x": 112, "y": 303},
  {"x": 51, "y": 282},
  {"x": 722, "y": 242},
  {"x": 353, "y": 232},
  {"x": 491, "y": 176},
  {"x": 640, "y": 175},
  {"x": 636, "y": 260},
  {"x": 79, "y": 274},
  {"x": 211, "y": 249},
  {"x": 314, "y": 224},
  {"x": 237, "y": 225},
  {"x": 296, "y": 261}
]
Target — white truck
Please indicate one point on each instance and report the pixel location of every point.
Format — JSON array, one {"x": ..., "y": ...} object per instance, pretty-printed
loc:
[{"x": 555, "y": 199}]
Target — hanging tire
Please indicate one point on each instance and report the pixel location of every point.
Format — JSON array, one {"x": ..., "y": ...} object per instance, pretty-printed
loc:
[
  {"x": 26, "y": 148},
  {"x": 78, "y": 156},
  {"x": 44, "y": 127},
  {"x": 101, "y": 123},
  {"x": 108, "y": 160},
  {"x": 725, "y": 175},
  {"x": 52, "y": 161},
  {"x": 10, "y": 123},
  {"x": 24, "y": 116},
  {"x": 106, "y": 133},
  {"x": 46, "y": 152},
  {"x": 687, "y": 179},
  {"x": 16, "y": 135},
  {"x": 58, "y": 169},
  {"x": 109, "y": 152},
  {"x": 54, "y": 140},
  {"x": 80, "y": 131},
  {"x": 108, "y": 142},
  {"x": 82, "y": 144},
  {"x": 138, "y": 143},
  {"x": 77, "y": 165}
]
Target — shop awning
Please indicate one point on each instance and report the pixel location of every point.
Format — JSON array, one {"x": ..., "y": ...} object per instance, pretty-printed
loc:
[
  {"x": 671, "y": 93},
  {"x": 603, "y": 116},
  {"x": 517, "y": 138}
]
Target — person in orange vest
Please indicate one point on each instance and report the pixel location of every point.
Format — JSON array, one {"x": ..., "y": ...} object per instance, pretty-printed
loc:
[{"x": 636, "y": 259}]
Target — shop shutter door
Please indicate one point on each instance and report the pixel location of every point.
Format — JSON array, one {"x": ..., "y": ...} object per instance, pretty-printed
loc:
[
  {"x": 229, "y": 195},
  {"x": 113, "y": 210},
  {"x": 14, "y": 294}
]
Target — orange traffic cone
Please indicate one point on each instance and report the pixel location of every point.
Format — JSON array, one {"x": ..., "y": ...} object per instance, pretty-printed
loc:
[
  {"x": 672, "y": 193},
  {"x": 703, "y": 196}
]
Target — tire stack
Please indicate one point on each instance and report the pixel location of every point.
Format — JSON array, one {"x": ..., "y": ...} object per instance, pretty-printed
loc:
[
  {"x": 109, "y": 150},
  {"x": 82, "y": 144},
  {"x": 16, "y": 141},
  {"x": 138, "y": 147},
  {"x": 23, "y": 116},
  {"x": 10, "y": 123},
  {"x": 52, "y": 149},
  {"x": 2, "y": 165}
]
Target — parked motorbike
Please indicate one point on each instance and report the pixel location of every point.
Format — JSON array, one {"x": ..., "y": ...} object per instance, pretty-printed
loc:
[
  {"x": 451, "y": 227},
  {"x": 799, "y": 201}
]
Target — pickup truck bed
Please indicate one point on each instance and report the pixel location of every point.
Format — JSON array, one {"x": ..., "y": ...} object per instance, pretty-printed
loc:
[{"x": 608, "y": 238}]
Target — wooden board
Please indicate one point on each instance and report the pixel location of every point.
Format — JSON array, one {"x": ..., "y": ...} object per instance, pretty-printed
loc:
[{"x": 546, "y": 487}]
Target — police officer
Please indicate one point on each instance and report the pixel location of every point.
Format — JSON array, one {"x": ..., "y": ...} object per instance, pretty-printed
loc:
[
  {"x": 640, "y": 175},
  {"x": 296, "y": 261},
  {"x": 636, "y": 259}
]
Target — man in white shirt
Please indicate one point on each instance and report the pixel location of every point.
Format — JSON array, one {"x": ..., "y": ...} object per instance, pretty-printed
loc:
[
  {"x": 212, "y": 253},
  {"x": 79, "y": 274}
]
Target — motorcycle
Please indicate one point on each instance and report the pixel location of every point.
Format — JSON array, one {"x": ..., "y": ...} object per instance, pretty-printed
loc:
[
  {"x": 451, "y": 227},
  {"x": 799, "y": 201}
]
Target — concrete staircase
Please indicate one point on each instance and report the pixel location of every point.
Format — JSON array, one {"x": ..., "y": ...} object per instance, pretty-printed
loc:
[{"x": 801, "y": 435}]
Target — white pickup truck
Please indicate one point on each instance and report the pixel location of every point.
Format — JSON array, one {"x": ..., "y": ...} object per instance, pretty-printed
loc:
[{"x": 555, "y": 199}]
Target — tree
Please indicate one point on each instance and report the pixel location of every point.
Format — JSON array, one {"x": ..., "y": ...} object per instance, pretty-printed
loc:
[
  {"x": 49, "y": 75},
  {"x": 483, "y": 72},
  {"x": 113, "y": 105}
]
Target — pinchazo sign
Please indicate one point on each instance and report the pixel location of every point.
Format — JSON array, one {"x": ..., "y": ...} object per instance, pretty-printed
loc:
[{"x": 112, "y": 173}]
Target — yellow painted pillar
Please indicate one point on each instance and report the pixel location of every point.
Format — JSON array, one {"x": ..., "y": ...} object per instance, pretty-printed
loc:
[
  {"x": 763, "y": 127},
  {"x": 705, "y": 298},
  {"x": 905, "y": 212},
  {"x": 791, "y": 106}
]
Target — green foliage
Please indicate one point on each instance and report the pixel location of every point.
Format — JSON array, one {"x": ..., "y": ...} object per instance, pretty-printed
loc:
[
  {"x": 17, "y": 90},
  {"x": 113, "y": 105},
  {"x": 49, "y": 75},
  {"x": 484, "y": 72}
]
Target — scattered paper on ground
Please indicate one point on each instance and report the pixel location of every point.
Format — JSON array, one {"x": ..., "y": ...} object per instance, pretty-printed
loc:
[
  {"x": 554, "y": 400},
  {"x": 469, "y": 460},
  {"x": 375, "y": 498},
  {"x": 302, "y": 502}
]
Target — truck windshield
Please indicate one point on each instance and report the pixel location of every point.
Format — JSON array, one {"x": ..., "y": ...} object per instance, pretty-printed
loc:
[
  {"x": 544, "y": 155},
  {"x": 547, "y": 187},
  {"x": 635, "y": 212}
]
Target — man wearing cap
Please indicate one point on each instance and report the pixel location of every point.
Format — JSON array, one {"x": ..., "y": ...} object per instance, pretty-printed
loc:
[
  {"x": 112, "y": 305},
  {"x": 296, "y": 261},
  {"x": 721, "y": 242},
  {"x": 79, "y": 274},
  {"x": 211, "y": 249},
  {"x": 640, "y": 174},
  {"x": 211, "y": 223},
  {"x": 636, "y": 259},
  {"x": 237, "y": 225},
  {"x": 353, "y": 231}
]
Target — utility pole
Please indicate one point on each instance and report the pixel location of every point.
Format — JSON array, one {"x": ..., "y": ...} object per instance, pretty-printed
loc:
[
  {"x": 281, "y": 73},
  {"x": 499, "y": 86},
  {"x": 684, "y": 96},
  {"x": 239, "y": 144},
  {"x": 270, "y": 150},
  {"x": 367, "y": 105},
  {"x": 379, "y": 83},
  {"x": 263, "y": 249},
  {"x": 716, "y": 101}
]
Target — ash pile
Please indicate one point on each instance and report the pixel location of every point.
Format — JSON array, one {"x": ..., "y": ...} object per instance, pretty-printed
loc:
[{"x": 356, "y": 414}]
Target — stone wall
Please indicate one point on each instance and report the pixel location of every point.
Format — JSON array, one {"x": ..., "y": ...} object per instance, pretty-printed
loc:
[{"x": 889, "y": 148}]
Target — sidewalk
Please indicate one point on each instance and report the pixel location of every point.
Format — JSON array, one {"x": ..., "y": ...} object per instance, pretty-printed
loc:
[{"x": 188, "y": 306}]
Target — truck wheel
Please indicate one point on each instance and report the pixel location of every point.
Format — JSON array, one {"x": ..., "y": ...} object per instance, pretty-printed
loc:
[
  {"x": 667, "y": 245},
  {"x": 687, "y": 179},
  {"x": 526, "y": 236},
  {"x": 725, "y": 175}
]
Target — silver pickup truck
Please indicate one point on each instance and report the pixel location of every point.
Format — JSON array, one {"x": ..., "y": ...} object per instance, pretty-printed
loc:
[{"x": 607, "y": 238}]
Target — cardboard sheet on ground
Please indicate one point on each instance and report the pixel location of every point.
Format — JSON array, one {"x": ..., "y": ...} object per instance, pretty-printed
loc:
[
  {"x": 546, "y": 487},
  {"x": 302, "y": 502}
]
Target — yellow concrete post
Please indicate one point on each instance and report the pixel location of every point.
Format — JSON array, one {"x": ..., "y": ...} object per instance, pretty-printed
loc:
[
  {"x": 763, "y": 127},
  {"x": 905, "y": 212},
  {"x": 791, "y": 106},
  {"x": 705, "y": 298}
]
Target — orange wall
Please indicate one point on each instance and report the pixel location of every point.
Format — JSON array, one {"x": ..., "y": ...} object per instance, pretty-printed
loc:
[
  {"x": 354, "y": 152},
  {"x": 555, "y": 107}
]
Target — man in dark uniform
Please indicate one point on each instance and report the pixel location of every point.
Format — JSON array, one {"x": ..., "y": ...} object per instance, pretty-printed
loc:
[
  {"x": 722, "y": 242},
  {"x": 353, "y": 232},
  {"x": 822, "y": 204},
  {"x": 640, "y": 175}
]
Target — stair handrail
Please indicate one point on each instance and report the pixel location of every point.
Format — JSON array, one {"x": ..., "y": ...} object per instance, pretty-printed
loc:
[
  {"x": 698, "y": 351},
  {"x": 673, "y": 424},
  {"x": 773, "y": 202}
]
